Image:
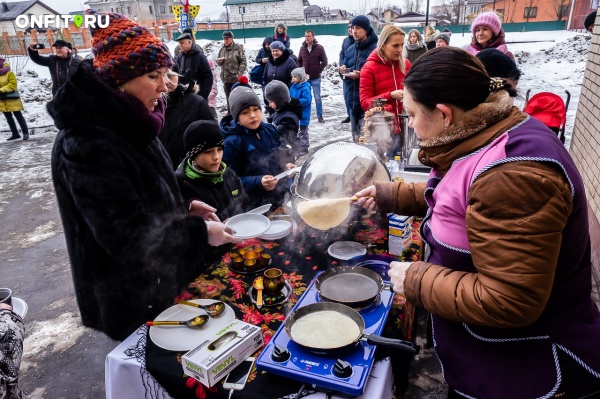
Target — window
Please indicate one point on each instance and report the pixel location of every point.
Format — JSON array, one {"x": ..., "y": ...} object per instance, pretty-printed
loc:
[
  {"x": 475, "y": 9},
  {"x": 564, "y": 10},
  {"x": 163, "y": 10},
  {"x": 151, "y": 9},
  {"x": 128, "y": 10},
  {"x": 171, "y": 9},
  {"x": 112, "y": 10},
  {"x": 530, "y": 12}
]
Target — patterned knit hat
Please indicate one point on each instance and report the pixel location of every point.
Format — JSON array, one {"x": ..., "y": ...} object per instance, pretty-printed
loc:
[
  {"x": 489, "y": 19},
  {"x": 202, "y": 135},
  {"x": 125, "y": 50}
]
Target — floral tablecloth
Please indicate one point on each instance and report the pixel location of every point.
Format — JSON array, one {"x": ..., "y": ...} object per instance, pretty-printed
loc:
[{"x": 300, "y": 256}]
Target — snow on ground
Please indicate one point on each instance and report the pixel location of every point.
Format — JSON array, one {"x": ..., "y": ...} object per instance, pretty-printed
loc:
[{"x": 551, "y": 61}]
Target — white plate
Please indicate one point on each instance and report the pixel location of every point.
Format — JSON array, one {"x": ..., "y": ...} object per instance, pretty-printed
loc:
[
  {"x": 278, "y": 229},
  {"x": 249, "y": 225},
  {"x": 20, "y": 307},
  {"x": 345, "y": 250},
  {"x": 349, "y": 74},
  {"x": 182, "y": 338}
]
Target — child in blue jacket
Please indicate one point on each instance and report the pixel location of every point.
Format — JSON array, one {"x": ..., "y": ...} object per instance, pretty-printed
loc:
[
  {"x": 252, "y": 149},
  {"x": 300, "y": 89}
]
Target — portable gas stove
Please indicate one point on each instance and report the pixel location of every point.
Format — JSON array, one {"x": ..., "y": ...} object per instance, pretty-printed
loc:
[{"x": 345, "y": 371}]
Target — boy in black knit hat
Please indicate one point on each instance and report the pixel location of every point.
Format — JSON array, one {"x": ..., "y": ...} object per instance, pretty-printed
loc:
[{"x": 204, "y": 176}]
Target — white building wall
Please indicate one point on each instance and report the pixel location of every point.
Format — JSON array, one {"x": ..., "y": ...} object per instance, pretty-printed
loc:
[
  {"x": 260, "y": 15},
  {"x": 36, "y": 10}
]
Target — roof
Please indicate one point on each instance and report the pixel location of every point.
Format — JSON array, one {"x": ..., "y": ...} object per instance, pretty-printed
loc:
[
  {"x": 313, "y": 11},
  {"x": 13, "y": 10},
  {"x": 242, "y": 2},
  {"x": 395, "y": 10}
]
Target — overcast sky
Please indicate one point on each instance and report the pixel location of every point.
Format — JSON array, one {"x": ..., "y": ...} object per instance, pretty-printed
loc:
[{"x": 213, "y": 8}]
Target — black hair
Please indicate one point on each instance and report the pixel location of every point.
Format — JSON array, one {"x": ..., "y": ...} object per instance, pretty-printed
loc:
[
  {"x": 449, "y": 75},
  {"x": 497, "y": 64}
]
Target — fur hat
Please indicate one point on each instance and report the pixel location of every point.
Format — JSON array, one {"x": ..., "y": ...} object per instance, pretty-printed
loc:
[
  {"x": 589, "y": 20},
  {"x": 489, "y": 19},
  {"x": 444, "y": 37},
  {"x": 299, "y": 74},
  {"x": 498, "y": 65},
  {"x": 362, "y": 22},
  {"x": 227, "y": 33},
  {"x": 277, "y": 45},
  {"x": 125, "y": 50},
  {"x": 277, "y": 92},
  {"x": 202, "y": 135},
  {"x": 241, "y": 98}
]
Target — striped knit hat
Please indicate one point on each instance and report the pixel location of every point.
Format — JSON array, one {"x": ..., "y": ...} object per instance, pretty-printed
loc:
[{"x": 125, "y": 50}]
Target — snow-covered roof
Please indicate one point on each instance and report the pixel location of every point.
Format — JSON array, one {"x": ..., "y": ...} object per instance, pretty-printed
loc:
[{"x": 10, "y": 11}]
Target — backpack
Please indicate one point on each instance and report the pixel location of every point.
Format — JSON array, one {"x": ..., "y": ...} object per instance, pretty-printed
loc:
[{"x": 256, "y": 75}]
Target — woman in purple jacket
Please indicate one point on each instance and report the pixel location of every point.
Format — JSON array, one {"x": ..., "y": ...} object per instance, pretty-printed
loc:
[{"x": 507, "y": 268}]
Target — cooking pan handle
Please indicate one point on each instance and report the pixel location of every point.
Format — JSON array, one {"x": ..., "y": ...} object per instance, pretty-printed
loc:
[
  {"x": 394, "y": 343},
  {"x": 388, "y": 286}
]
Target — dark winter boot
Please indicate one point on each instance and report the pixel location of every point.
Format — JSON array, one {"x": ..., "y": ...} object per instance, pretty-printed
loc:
[
  {"x": 347, "y": 120},
  {"x": 25, "y": 136},
  {"x": 13, "y": 137}
]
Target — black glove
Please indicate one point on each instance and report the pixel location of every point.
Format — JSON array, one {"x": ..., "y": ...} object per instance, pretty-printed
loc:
[{"x": 2, "y": 96}]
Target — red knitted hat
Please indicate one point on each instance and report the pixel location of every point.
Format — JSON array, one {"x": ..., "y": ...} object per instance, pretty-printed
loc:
[
  {"x": 125, "y": 50},
  {"x": 243, "y": 80}
]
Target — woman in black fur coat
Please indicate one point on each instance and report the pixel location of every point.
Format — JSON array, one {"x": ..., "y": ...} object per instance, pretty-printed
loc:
[{"x": 132, "y": 243}]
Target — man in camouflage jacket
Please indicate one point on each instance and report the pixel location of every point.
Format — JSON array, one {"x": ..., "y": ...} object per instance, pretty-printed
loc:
[{"x": 232, "y": 60}]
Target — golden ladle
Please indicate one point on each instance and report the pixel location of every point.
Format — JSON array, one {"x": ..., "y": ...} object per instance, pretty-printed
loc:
[{"x": 325, "y": 213}]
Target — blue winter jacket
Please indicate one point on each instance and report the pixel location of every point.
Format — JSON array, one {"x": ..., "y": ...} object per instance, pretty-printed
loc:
[
  {"x": 302, "y": 92},
  {"x": 355, "y": 57},
  {"x": 252, "y": 155}
]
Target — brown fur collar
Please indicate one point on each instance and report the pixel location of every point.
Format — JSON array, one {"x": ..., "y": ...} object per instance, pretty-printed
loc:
[
  {"x": 495, "y": 108},
  {"x": 478, "y": 128}
]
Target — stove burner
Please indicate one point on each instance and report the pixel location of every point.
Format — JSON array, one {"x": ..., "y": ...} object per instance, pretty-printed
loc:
[
  {"x": 342, "y": 369},
  {"x": 280, "y": 354}
]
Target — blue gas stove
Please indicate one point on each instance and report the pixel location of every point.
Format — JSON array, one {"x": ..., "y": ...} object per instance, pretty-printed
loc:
[{"x": 345, "y": 371}]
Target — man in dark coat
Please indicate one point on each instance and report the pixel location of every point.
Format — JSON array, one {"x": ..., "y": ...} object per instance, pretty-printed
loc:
[
  {"x": 184, "y": 106},
  {"x": 62, "y": 65},
  {"x": 192, "y": 64},
  {"x": 348, "y": 41},
  {"x": 313, "y": 59},
  {"x": 365, "y": 41}
]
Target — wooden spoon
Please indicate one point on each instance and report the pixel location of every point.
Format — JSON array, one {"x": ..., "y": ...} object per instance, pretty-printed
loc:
[{"x": 258, "y": 286}]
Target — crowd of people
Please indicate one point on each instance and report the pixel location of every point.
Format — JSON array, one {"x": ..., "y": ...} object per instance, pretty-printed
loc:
[{"x": 160, "y": 175}]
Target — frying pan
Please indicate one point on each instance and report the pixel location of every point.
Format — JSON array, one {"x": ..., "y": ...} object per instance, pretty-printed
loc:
[
  {"x": 309, "y": 310},
  {"x": 354, "y": 286}
]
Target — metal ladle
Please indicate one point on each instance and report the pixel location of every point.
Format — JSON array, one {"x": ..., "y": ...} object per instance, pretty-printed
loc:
[{"x": 194, "y": 322}]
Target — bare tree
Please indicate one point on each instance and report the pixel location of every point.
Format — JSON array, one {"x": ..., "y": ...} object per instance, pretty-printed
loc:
[
  {"x": 561, "y": 9},
  {"x": 530, "y": 10},
  {"x": 451, "y": 10},
  {"x": 223, "y": 16},
  {"x": 509, "y": 12}
]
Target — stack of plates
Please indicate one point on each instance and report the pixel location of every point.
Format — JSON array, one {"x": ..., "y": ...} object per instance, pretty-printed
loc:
[{"x": 277, "y": 230}]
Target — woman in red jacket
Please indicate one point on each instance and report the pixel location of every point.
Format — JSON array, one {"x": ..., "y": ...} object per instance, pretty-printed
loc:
[{"x": 382, "y": 76}]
